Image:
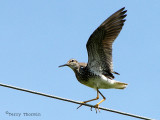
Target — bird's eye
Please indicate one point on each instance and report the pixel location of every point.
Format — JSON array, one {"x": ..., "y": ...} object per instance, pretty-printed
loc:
[{"x": 72, "y": 60}]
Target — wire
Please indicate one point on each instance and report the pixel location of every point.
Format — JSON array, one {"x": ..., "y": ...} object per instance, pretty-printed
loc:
[{"x": 76, "y": 102}]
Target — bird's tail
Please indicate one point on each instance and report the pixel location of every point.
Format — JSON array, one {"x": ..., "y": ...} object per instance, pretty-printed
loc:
[{"x": 120, "y": 85}]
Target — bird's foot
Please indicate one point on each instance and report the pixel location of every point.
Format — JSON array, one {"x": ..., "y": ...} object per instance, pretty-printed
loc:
[
  {"x": 81, "y": 105},
  {"x": 97, "y": 107}
]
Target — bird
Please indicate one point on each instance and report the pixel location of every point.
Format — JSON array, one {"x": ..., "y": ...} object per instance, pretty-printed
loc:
[{"x": 98, "y": 72}]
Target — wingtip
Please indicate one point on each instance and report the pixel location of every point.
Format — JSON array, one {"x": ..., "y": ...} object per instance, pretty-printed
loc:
[
  {"x": 120, "y": 11},
  {"x": 123, "y": 10}
]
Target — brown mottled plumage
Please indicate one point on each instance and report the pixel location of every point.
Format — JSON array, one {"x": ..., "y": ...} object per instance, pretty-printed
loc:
[{"x": 98, "y": 72}]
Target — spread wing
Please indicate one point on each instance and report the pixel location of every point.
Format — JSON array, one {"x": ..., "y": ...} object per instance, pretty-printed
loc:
[{"x": 99, "y": 45}]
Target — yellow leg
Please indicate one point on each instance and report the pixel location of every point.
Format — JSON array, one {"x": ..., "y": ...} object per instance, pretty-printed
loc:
[
  {"x": 91, "y": 99},
  {"x": 97, "y": 105}
]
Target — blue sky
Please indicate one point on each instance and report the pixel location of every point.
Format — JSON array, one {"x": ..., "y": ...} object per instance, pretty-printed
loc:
[{"x": 38, "y": 36}]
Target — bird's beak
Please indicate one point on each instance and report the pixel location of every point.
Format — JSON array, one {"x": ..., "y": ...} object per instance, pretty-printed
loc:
[{"x": 63, "y": 65}]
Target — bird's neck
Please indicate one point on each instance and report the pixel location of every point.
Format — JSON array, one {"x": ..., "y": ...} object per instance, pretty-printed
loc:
[
  {"x": 76, "y": 70},
  {"x": 81, "y": 73}
]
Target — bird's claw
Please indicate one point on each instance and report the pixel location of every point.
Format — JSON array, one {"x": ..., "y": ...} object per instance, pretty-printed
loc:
[
  {"x": 97, "y": 107},
  {"x": 91, "y": 108},
  {"x": 80, "y": 105}
]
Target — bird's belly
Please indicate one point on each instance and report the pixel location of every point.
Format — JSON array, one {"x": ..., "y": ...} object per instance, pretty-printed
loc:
[{"x": 100, "y": 82}]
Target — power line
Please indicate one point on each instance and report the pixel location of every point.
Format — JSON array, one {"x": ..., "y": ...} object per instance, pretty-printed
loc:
[{"x": 76, "y": 102}]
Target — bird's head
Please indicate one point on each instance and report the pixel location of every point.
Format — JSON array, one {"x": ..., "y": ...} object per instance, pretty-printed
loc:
[{"x": 72, "y": 63}]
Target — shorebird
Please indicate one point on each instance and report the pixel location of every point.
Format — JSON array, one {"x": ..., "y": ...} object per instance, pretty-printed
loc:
[{"x": 98, "y": 72}]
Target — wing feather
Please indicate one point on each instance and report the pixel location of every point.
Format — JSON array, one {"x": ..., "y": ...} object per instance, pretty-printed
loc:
[{"x": 99, "y": 45}]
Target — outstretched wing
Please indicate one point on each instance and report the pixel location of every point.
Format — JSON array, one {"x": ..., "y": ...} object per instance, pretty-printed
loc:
[{"x": 99, "y": 45}]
